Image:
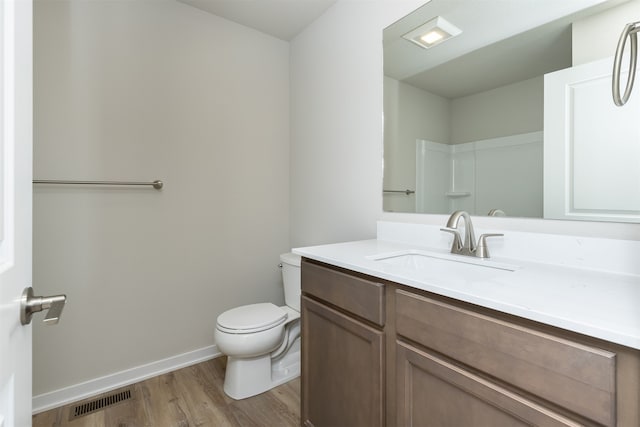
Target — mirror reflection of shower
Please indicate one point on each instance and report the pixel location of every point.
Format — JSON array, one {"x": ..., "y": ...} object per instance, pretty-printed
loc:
[{"x": 487, "y": 177}]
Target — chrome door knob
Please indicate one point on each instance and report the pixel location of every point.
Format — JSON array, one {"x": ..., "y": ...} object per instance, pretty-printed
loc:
[{"x": 31, "y": 304}]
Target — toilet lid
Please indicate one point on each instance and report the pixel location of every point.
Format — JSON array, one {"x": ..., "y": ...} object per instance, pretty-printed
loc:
[{"x": 252, "y": 318}]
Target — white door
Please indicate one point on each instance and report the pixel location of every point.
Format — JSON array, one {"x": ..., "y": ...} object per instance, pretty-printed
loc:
[
  {"x": 591, "y": 149},
  {"x": 15, "y": 209}
]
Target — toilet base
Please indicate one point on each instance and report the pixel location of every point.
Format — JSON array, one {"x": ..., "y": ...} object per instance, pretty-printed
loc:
[{"x": 248, "y": 377}]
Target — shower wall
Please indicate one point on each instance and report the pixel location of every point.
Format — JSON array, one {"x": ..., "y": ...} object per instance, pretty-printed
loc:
[
  {"x": 144, "y": 90},
  {"x": 499, "y": 173}
]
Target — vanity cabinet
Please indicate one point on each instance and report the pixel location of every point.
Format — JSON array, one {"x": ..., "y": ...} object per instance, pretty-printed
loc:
[
  {"x": 380, "y": 353},
  {"x": 342, "y": 349}
]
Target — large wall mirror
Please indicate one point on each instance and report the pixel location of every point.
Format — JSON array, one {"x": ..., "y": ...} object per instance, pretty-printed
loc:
[{"x": 511, "y": 115}]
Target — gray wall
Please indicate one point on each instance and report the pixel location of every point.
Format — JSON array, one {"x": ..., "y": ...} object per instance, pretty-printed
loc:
[
  {"x": 139, "y": 90},
  {"x": 410, "y": 113},
  {"x": 507, "y": 110},
  {"x": 596, "y": 37}
]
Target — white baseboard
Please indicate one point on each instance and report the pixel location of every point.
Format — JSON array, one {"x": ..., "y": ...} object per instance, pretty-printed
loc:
[{"x": 64, "y": 396}]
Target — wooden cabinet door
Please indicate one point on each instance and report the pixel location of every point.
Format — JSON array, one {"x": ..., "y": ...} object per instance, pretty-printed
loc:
[
  {"x": 342, "y": 369},
  {"x": 434, "y": 392}
]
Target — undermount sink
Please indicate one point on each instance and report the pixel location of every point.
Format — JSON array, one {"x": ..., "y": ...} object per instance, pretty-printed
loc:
[{"x": 438, "y": 263}]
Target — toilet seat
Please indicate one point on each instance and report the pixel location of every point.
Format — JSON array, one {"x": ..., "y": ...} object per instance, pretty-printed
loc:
[{"x": 251, "y": 318}]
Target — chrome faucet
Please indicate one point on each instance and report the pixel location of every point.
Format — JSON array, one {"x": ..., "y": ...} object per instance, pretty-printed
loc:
[{"x": 468, "y": 246}]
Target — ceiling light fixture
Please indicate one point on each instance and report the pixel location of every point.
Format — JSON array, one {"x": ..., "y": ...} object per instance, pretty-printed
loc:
[{"x": 433, "y": 32}]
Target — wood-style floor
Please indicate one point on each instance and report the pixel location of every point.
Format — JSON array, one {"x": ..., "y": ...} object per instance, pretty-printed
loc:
[{"x": 191, "y": 396}]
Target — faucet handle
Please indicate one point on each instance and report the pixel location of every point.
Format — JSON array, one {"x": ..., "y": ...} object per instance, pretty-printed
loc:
[
  {"x": 457, "y": 240},
  {"x": 482, "y": 250}
]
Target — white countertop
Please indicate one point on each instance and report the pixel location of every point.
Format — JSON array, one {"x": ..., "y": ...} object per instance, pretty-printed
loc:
[{"x": 600, "y": 304}]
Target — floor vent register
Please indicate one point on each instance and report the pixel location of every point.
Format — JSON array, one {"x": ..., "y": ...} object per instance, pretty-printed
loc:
[{"x": 100, "y": 403}]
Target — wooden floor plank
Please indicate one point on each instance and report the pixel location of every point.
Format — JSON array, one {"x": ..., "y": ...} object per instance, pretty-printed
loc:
[
  {"x": 128, "y": 414},
  {"x": 189, "y": 397},
  {"x": 204, "y": 411}
]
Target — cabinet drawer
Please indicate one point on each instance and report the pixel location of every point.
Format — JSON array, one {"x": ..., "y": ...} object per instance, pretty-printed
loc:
[
  {"x": 433, "y": 392},
  {"x": 359, "y": 296},
  {"x": 575, "y": 376}
]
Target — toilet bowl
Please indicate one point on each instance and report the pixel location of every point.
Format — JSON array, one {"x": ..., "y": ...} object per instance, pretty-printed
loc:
[{"x": 262, "y": 341}]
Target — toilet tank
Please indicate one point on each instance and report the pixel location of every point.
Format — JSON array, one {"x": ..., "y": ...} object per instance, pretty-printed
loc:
[{"x": 291, "y": 279}]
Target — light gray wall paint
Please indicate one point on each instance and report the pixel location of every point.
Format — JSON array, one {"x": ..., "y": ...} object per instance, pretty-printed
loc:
[
  {"x": 140, "y": 90},
  {"x": 423, "y": 115},
  {"x": 508, "y": 110},
  {"x": 410, "y": 113},
  {"x": 596, "y": 37}
]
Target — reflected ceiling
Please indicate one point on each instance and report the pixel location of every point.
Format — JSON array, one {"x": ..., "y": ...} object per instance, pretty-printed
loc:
[{"x": 548, "y": 45}]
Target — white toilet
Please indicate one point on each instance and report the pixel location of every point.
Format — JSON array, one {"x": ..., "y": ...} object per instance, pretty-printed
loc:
[{"x": 262, "y": 341}]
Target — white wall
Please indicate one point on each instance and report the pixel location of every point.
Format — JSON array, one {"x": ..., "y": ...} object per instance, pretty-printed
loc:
[
  {"x": 344, "y": 124},
  {"x": 509, "y": 175},
  {"x": 471, "y": 176},
  {"x": 140, "y": 90},
  {"x": 336, "y": 124},
  {"x": 434, "y": 176}
]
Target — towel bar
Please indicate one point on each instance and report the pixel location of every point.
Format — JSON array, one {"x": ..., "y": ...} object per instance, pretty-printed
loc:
[{"x": 157, "y": 184}]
